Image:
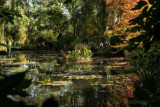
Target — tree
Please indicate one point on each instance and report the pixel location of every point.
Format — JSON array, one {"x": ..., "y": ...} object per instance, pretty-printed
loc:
[
  {"x": 148, "y": 22},
  {"x": 7, "y": 15},
  {"x": 118, "y": 21}
]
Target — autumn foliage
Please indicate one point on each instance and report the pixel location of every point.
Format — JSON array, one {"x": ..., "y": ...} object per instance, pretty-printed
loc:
[{"x": 120, "y": 19}]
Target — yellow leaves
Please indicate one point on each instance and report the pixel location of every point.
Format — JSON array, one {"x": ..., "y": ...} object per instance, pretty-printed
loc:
[
  {"x": 131, "y": 12},
  {"x": 23, "y": 37},
  {"x": 91, "y": 25},
  {"x": 129, "y": 87},
  {"x": 110, "y": 9},
  {"x": 91, "y": 29}
]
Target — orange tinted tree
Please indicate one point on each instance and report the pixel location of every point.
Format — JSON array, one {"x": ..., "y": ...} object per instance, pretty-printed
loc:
[{"x": 118, "y": 21}]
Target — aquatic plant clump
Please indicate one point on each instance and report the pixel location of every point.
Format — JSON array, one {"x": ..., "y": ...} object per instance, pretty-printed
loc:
[{"x": 78, "y": 55}]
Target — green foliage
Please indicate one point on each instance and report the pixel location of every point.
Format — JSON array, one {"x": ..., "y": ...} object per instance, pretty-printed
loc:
[
  {"x": 56, "y": 17},
  {"x": 75, "y": 42},
  {"x": 148, "y": 22},
  {"x": 146, "y": 58},
  {"x": 64, "y": 42},
  {"x": 22, "y": 25},
  {"x": 146, "y": 64},
  {"x": 74, "y": 53},
  {"x": 81, "y": 47},
  {"x": 80, "y": 52},
  {"x": 87, "y": 53},
  {"x": 7, "y": 15},
  {"x": 43, "y": 39},
  {"x": 47, "y": 80}
]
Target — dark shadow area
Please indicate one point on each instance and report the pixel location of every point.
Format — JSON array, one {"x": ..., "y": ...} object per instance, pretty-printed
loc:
[{"x": 147, "y": 94}]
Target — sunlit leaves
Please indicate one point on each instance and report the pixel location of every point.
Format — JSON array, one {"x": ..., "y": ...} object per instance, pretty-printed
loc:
[
  {"x": 8, "y": 15},
  {"x": 140, "y": 5},
  {"x": 148, "y": 21},
  {"x": 121, "y": 25}
]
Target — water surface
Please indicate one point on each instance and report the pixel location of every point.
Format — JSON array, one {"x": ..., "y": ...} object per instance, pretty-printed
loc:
[{"x": 98, "y": 83}]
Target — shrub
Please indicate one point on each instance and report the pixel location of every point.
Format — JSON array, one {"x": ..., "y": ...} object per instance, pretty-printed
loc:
[
  {"x": 81, "y": 47},
  {"x": 146, "y": 64},
  {"x": 80, "y": 53},
  {"x": 64, "y": 42},
  {"x": 75, "y": 42},
  {"x": 87, "y": 53},
  {"x": 74, "y": 53}
]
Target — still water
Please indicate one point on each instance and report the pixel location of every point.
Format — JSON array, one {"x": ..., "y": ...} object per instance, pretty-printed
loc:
[{"x": 99, "y": 83}]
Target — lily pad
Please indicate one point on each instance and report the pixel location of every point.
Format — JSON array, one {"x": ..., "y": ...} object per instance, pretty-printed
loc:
[
  {"x": 57, "y": 83},
  {"x": 86, "y": 77}
]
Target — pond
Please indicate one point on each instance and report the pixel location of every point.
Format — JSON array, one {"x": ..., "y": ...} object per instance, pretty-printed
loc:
[{"x": 99, "y": 83}]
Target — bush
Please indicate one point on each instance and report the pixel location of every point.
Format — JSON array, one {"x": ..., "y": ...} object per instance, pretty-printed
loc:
[
  {"x": 87, "y": 53},
  {"x": 146, "y": 64},
  {"x": 82, "y": 47},
  {"x": 63, "y": 43},
  {"x": 40, "y": 40},
  {"x": 80, "y": 53},
  {"x": 75, "y": 42},
  {"x": 75, "y": 53}
]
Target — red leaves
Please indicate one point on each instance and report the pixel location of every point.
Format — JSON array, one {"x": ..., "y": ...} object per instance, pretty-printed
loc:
[{"x": 123, "y": 8}]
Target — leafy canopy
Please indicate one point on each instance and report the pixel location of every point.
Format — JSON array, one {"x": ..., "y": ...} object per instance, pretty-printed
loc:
[{"x": 148, "y": 22}]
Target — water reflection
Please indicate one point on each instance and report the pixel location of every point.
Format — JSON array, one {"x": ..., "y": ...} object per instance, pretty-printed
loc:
[{"x": 73, "y": 84}]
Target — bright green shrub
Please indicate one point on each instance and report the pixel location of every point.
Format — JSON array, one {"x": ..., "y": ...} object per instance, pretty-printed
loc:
[
  {"x": 81, "y": 52},
  {"x": 87, "y": 53},
  {"x": 74, "y": 53}
]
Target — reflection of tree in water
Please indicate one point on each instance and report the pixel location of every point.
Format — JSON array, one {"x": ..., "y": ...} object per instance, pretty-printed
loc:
[
  {"x": 102, "y": 98},
  {"x": 85, "y": 95},
  {"x": 21, "y": 58},
  {"x": 93, "y": 98},
  {"x": 81, "y": 92},
  {"x": 147, "y": 94}
]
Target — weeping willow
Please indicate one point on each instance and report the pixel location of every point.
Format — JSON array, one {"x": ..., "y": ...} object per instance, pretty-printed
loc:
[
  {"x": 2, "y": 39},
  {"x": 22, "y": 24},
  {"x": 11, "y": 24},
  {"x": 2, "y": 24}
]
